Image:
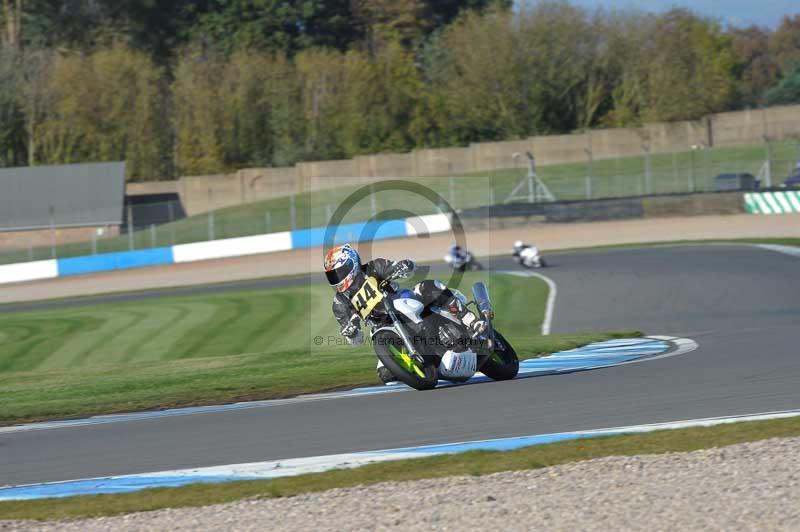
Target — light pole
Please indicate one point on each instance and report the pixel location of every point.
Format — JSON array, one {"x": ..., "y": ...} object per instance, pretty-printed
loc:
[
  {"x": 590, "y": 173},
  {"x": 691, "y": 168},
  {"x": 768, "y": 163}
]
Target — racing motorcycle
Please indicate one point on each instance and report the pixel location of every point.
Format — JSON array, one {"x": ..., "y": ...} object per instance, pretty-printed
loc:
[
  {"x": 530, "y": 257},
  {"x": 422, "y": 345},
  {"x": 463, "y": 262}
]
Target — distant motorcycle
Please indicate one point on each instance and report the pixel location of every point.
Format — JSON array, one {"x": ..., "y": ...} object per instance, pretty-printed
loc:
[
  {"x": 528, "y": 256},
  {"x": 462, "y": 261}
]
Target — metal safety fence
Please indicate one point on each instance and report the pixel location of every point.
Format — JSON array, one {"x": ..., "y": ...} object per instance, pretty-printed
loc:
[{"x": 165, "y": 223}]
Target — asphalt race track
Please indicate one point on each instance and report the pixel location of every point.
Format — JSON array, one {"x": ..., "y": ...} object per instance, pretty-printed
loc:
[{"x": 741, "y": 304}]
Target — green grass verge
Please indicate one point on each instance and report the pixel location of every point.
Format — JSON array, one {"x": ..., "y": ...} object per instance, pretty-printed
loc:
[
  {"x": 211, "y": 348},
  {"x": 472, "y": 463},
  {"x": 611, "y": 178},
  {"x": 795, "y": 242}
]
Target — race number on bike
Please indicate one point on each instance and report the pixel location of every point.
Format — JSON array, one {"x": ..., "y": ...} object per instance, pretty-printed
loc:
[{"x": 367, "y": 297}]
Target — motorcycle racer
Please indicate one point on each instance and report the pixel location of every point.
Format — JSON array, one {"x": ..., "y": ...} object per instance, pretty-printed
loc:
[
  {"x": 461, "y": 259},
  {"x": 456, "y": 254},
  {"x": 346, "y": 274},
  {"x": 527, "y": 255},
  {"x": 519, "y": 245}
]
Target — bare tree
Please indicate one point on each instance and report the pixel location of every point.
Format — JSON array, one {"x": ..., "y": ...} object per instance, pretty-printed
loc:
[
  {"x": 35, "y": 97},
  {"x": 12, "y": 14}
]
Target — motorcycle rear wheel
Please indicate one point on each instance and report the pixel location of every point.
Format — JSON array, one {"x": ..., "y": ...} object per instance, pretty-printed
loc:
[{"x": 395, "y": 357}]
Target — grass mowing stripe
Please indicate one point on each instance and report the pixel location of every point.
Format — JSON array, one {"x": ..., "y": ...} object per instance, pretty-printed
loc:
[
  {"x": 111, "y": 388},
  {"x": 199, "y": 313},
  {"x": 34, "y": 352},
  {"x": 11, "y": 359},
  {"x": 201, "y": 335},
  {"x": 223, "y": 347},
  {"x": 79, "y": 345},
  {"x": 110, "y": 348},
  {"x": 264, "y": 328},
  {"x": 471, "y": 463},
  {"x": 228, "y": 315},
  {"x": 163, "y": 321},
  {"x": 164, "y": 339}
]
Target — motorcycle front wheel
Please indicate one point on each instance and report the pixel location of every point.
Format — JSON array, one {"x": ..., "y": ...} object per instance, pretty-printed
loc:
[
  {"x": 503, "y": 365},
  {"x": 395, "y": 357}
]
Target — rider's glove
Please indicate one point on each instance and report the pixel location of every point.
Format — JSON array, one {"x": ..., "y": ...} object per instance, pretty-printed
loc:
[
  {"x": 352, "y": 328},
  {"x": 402, "y": 269},
  {"x": 356, "y": 339}
]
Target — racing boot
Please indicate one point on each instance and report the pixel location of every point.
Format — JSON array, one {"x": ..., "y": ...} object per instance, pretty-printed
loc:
[
  {"x": 474, "y": 325},
  {"x": 384, "y": 374}
]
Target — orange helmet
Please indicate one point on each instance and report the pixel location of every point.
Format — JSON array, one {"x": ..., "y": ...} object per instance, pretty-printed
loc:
[{"x": 342, "y": 265}]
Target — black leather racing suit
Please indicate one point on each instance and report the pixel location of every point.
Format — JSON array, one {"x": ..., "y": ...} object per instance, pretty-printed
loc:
[{"x": 429, "y": 292}]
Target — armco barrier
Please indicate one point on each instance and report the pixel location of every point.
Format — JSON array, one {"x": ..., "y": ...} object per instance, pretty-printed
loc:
[
  {"x": 779, "y": 202},
  {"x": 217, "y": 249}
]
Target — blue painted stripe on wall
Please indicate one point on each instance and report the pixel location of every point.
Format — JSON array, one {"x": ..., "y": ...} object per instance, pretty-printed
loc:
[
  {"x": 379, "y": 230},
  {"x": 355, "y": 232},
  {"x": 309, "y": 238},
  {"x": 114, "y": 261},
  {"x": 79, "y": 265},
  {"x": 145, "y": 257}
]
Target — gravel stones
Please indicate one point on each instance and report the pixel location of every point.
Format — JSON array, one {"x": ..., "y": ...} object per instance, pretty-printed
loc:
[{"x": 751, "y": 486}]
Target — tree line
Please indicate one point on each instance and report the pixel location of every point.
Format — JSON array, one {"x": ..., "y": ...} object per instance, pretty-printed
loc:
[{"x": 194, "y": 87}]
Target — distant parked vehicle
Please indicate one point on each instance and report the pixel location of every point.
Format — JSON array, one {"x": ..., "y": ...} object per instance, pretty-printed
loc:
[
  {"x": 793, "y": 181},
  {"x": 725, "y": 182}
]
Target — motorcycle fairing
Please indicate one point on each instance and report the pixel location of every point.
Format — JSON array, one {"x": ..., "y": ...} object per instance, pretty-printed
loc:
[
  {"x": 410, "y": 308},
  {"x": 458, "y": 365}
]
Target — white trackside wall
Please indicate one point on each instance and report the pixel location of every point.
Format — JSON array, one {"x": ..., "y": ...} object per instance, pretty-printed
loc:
[
  {"x": 233, "y": 247},
  {"x": 224, "y": 248},
  {"x": 28, "y": 271}
]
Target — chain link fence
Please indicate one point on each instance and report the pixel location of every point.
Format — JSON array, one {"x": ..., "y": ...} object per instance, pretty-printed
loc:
[{"x": 161, "y": 224}]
